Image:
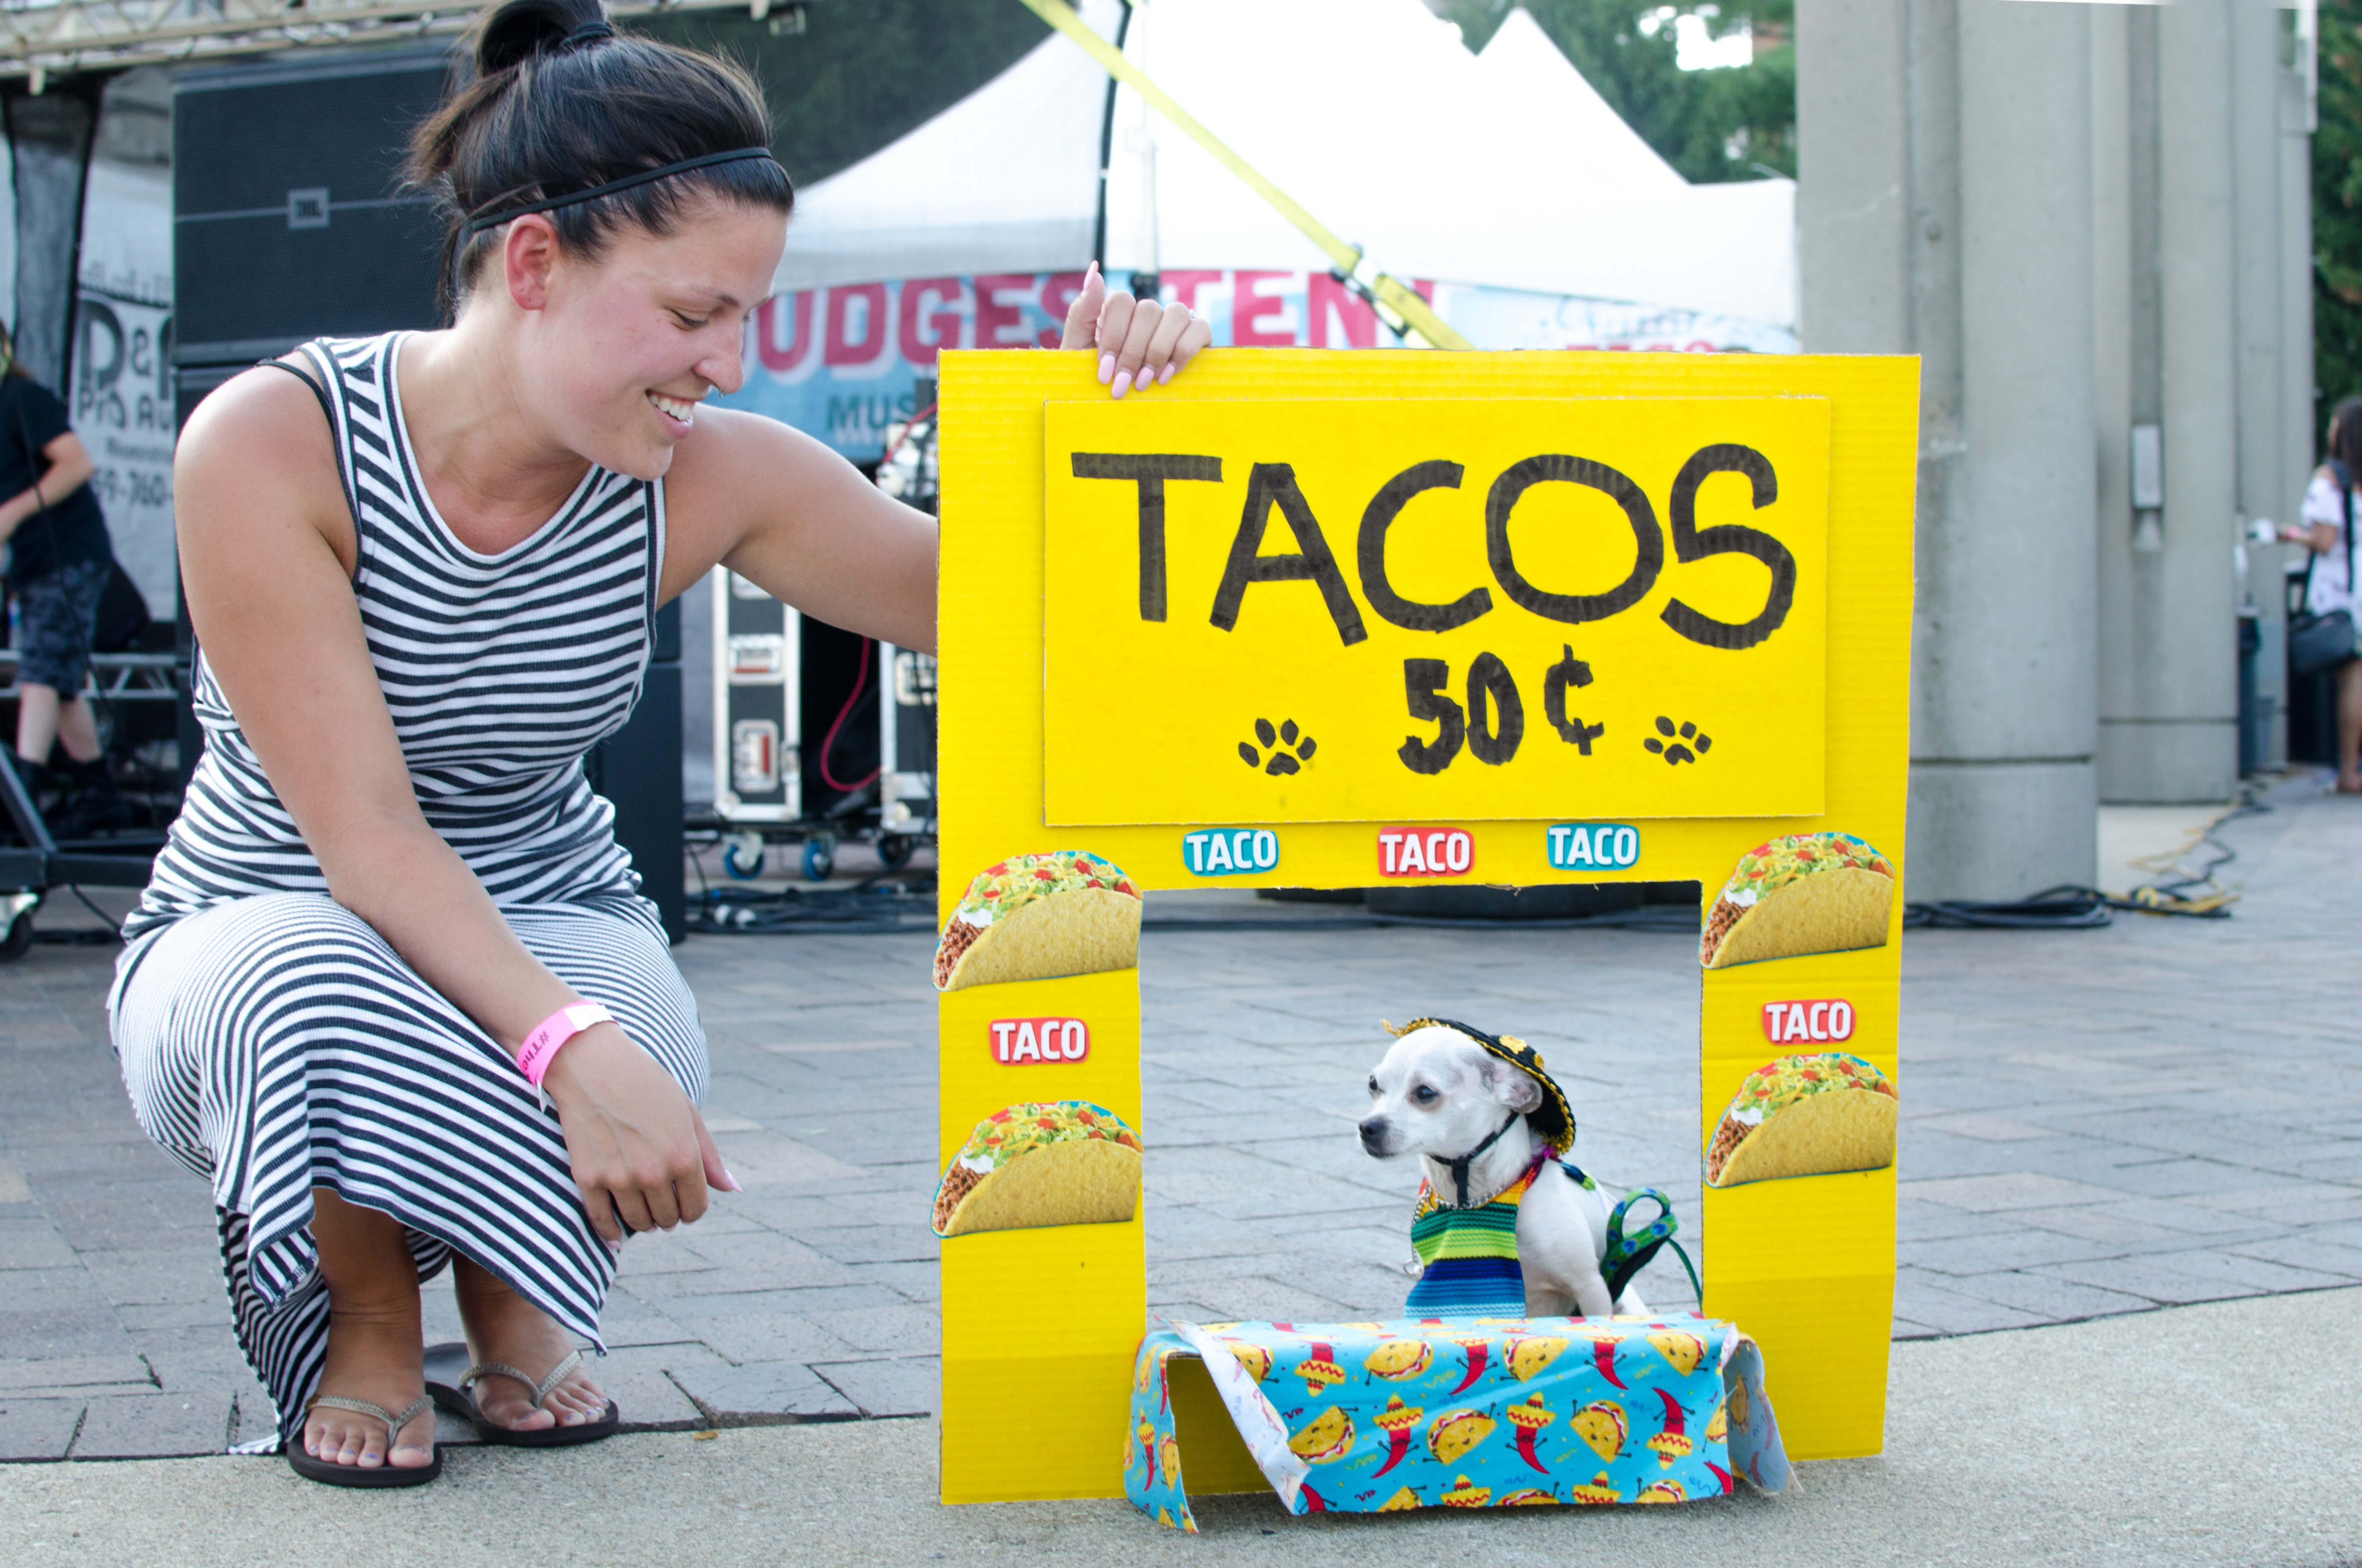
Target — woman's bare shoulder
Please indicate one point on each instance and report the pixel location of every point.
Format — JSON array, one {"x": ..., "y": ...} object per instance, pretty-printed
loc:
[
  {"x": 261, "y": 443},
  {"x": 743, "y": 473},
  {"x": 733, "y": 447}
]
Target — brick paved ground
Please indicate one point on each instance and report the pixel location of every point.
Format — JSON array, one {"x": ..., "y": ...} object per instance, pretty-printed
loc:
[{"x": 2095, "y": 1123}]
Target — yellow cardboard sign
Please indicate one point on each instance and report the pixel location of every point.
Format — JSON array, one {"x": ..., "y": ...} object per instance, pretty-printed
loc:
[
  {"x": 1072, "y": 721},
  {"x": 1605, "y": 606}
]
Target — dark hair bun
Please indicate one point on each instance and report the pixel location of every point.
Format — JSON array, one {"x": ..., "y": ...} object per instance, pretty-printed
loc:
[
  {"x": 560, "y": 106},
  {"x": 514, "y": 32}
]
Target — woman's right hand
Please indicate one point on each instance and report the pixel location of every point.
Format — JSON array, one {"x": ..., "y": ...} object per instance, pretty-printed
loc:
[{"x": 640, "y": 1153}]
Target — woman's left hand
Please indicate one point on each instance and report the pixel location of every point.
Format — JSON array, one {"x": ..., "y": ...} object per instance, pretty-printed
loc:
[{"x": 1140, "y": 342}]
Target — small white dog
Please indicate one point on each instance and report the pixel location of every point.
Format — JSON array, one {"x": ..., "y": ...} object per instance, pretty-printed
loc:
[{"x": 1480, "y": 1114}]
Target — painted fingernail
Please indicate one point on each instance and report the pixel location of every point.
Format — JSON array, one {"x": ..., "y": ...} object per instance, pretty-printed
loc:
[
  {"x": 1166, "y": 374},
  {"x": 729, "y": 1182},
  {"x": 1106, "y": 368},
  {"x": 1122, "y": 383},
  {"x": 1142, "y": 383}
]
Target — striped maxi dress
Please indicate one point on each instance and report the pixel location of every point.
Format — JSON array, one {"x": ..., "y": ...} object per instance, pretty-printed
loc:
[{"x": 273, "y": 1042}]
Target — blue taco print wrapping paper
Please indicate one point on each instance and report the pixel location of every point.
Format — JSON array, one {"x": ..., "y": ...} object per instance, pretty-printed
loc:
[{"x": 1373, "y": 1417}]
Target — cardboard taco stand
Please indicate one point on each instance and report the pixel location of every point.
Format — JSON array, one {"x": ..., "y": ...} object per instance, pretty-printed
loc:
[{"x": 1321, "y": 619}]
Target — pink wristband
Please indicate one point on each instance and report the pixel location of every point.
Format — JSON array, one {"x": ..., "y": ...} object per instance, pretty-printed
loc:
[{"x": 540, "y": 1046}]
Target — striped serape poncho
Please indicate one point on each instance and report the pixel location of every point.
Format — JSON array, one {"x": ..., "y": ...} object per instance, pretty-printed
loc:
[{"x": 1470, "y": 1256}]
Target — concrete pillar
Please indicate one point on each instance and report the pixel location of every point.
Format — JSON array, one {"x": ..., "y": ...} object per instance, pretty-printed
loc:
[
  {"x": 1945, "y": 208},
  {"x": 2301, "y": 419},
  {"x": 2167, "y": 609},
  {"x": 2275, "y": 368},
  {"x": 2124, "y": 294}
]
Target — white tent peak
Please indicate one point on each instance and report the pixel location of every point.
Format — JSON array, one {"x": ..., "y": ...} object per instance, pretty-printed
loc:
[
  {"x": 1557, "y": 105},
  {"x": 1001, "y": 181},
  {"x": 1505, "y": 169}
]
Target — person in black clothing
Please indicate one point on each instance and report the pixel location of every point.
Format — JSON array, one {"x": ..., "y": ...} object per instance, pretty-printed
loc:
[{"x": 58, "y": 558}]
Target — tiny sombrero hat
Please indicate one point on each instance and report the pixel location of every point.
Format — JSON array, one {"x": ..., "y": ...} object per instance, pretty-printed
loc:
[{"x": 1553, "y": 1119}]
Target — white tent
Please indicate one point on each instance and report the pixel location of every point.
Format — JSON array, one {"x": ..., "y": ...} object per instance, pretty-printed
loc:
[
  {"x": 1001, "y": 181},
  {"x": 1539, "y": 92},
  {"x": 1506, "y": 171}
]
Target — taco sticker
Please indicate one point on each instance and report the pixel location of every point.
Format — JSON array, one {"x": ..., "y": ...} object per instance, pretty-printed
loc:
[
  {"x": 1065, "y": 1161},
  {"x": 1808, "y": 1115},
  {"x": 1806, "y": 892},
  {"x": 1035, "y": 917}
]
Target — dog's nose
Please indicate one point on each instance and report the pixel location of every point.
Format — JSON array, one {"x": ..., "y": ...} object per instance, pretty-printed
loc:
[{"x": 1374, "y": 1134}]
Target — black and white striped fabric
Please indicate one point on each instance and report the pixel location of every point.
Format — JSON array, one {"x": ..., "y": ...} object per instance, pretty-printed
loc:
[{"x": 273, "y": 1042}]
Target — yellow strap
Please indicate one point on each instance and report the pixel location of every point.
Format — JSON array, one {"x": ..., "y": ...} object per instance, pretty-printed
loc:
[{"x": 1396, "y": 296}]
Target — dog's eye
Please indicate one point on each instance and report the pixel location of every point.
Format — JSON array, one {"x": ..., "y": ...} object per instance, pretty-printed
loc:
[
  {"x": 1424, "y": 1095},
  {"x": 1374, "y": 1086}
]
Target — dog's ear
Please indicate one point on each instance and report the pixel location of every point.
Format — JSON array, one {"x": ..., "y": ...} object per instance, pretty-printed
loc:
[{"x": 1512, "y": 1086}]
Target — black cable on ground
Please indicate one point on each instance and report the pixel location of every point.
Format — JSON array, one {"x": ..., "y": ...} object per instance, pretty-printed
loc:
[
  {"x": 871, "y": 905},
  {"x": 108, "y": 934},
  {"x": 2191, "y": 894},
  {"x": 2066, "y": 908}
]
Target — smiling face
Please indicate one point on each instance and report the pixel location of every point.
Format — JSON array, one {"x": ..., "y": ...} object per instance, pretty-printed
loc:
[
  {"x": 614, "y": 352},
  {"x": 1437, "y": 1092}
]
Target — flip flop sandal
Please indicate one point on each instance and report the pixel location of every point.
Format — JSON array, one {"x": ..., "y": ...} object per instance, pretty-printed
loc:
[
  {"x": 460, "y": 1401},
  {"x": 328, "y": 1473}
]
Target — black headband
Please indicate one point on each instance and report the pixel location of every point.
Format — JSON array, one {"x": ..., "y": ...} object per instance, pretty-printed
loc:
[{"x": 646, "y": 176}]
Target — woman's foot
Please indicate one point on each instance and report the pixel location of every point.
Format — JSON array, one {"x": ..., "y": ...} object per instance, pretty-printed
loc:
[
  {"x": 375, "y": 1350},
  {"x": 505, "y": 1328}
]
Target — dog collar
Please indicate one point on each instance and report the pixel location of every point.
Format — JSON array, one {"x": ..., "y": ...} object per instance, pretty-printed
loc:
[{"x": 1459, "y": 1167}]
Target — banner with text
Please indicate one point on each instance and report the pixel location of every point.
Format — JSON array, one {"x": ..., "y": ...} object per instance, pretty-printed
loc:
[{"x": 843, "y": 363}]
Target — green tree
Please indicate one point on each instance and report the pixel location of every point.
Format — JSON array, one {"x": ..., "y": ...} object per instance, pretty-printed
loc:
[
  {"x": 1736, "y": 122},
  {"x": 2337, "y": 209},
  {"x": 861, "y": 74}
]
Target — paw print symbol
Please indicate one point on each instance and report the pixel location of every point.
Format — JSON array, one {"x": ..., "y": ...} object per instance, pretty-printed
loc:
[
  {"x": 1280, "y": 743},
  {"x": 1671, "y": 748}
]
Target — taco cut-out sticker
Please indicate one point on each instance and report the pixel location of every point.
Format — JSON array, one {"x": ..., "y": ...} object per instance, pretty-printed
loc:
[
  {"x": 1037, "y": 917},
  {"x": 1038, "y": 1162},
  {"x": 1803, "y": 893},
  {"x": 1816, "y": 1113}
]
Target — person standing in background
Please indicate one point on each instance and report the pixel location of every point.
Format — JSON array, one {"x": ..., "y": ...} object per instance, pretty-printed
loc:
[
  {"x": 2329, "y": 584},
  {"x": 58, "y": 561}
]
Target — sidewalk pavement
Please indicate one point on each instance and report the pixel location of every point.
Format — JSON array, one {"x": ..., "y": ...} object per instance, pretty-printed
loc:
[
  {"x": 2183, "y": 1439},
  {"x": 2097, "y": 1123}
]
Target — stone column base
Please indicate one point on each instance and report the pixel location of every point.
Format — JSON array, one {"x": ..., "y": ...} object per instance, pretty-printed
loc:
[{"x": 1990, "y": 831}]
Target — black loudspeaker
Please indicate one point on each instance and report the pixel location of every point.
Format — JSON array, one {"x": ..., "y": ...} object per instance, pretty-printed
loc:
[
  {"x": 289, "y": 218},
  {"x": 639, "y": 767}
]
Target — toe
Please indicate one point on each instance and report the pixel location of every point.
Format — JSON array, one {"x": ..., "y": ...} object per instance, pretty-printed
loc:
[
  {"x": 512, "y": 1411},
  {"x": 583, "y": 1400},
  {"x": 416, "y": 1447}
]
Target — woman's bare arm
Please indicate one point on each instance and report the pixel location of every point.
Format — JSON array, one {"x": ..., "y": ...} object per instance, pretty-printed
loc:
[
  {"x": 2319, "y": 538},
  {"x": 785, "y": 511},
  {"x": 791, "y": 515},
  {"x": 266, "y": 551},
  {"x": 70, "y": 468}
]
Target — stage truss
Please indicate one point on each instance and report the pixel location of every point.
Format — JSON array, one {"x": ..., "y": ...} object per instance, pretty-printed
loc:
[{"x": 45, "y": 39}]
